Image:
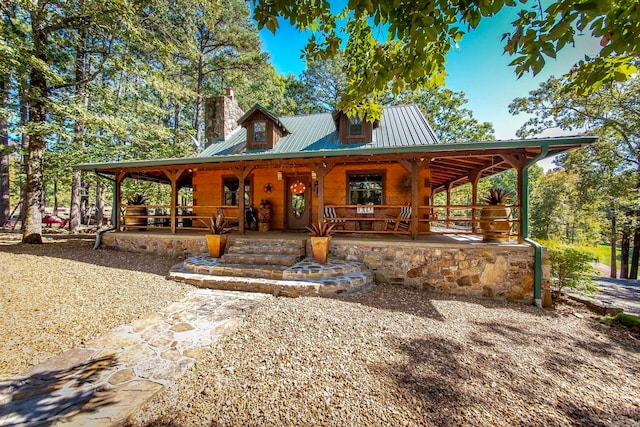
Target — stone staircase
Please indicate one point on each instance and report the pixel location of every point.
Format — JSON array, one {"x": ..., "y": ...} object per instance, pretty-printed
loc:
[{"x": 274, "y": 266}]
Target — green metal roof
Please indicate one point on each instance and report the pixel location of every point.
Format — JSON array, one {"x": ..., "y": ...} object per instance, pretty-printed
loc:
[
  {"x": 558, "y": 143},
  {"x": 400, "y": 126},
  {"x": 402, "y": 129}
]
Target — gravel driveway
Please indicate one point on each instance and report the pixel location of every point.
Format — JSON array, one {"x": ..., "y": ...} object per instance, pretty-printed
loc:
[{"x": 393, "y": 356}]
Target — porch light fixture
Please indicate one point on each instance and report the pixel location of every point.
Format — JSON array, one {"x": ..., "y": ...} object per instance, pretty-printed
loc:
[
  {"x": 314, "y": 175},
  {"x": 279, "y": 175}
]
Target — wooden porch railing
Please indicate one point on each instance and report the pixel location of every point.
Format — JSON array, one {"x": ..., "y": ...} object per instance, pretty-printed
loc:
[
  {"x": 432, "y": 219},
  {"x": 187, "y": 216}
]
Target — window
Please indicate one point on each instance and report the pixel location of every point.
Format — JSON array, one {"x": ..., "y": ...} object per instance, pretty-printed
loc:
[
  {"x": 365, "y": 189},
  {"x": 230, "y": 190},
  {"x": 260, "y": 132},
  {"x": 356, "y": 127}
]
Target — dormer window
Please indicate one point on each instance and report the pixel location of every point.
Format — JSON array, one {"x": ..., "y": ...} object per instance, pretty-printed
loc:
[
  {"x": 260, "y": 132},
  {"x": 264, "y": 129},
  {"x": 355, "y": 126}
]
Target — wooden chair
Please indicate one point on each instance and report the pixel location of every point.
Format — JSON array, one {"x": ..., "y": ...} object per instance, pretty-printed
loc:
[
  {"x": 331, "y": 213},
  {"x": 401, "y": 223}
]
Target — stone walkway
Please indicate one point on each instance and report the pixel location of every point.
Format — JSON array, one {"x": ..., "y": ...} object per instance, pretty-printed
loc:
[{"x": 103, "y": 382}]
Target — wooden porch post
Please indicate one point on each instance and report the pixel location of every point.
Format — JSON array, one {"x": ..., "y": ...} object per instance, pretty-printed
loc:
[
  {"x": 241, "y": 172},
  {"x": 517, "y": 161},
  {"x": 174, "y": 175},
  {"x": 449, "y": 187},
  {"x": 521, "y": 218},
  {"x": 474, "y": 178},
  {"x": 119, "y": 178},
  {"x": 414, "y": 168},
  {"x": 321, "y": 171}
]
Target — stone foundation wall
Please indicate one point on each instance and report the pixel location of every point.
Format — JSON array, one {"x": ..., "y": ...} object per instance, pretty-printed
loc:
[
  {"x": 480, "y": 270},
  {"x": 176, "y": 246}
]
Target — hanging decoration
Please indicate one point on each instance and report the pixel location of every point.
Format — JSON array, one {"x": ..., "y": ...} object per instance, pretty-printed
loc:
[{"x": 297, "y": 187}]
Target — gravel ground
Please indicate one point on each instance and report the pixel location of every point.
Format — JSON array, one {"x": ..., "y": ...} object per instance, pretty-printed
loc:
[
  {"x": 55, "y": 296},
  {"x": 399, "y": 357},
  {"x": 392, "y": 356}
]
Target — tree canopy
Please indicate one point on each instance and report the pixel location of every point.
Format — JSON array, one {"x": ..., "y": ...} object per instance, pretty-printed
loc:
[
  {"x": 406, "y": 43},
  {"x": 606, "y": 176}
]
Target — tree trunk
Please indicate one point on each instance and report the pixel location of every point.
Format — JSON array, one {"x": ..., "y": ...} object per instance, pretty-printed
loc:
[
  {"x": 55, "y": 197},
  {"x": 624, "y": 254},
  {"x": 197, "y": 119},
  {"x": 5, "y": 188},
  {"x": 80, "y": 131},
  {"x": 99, "y": 204},
  {"x": 635, "y": 255},
  {"x": 613, "y": 270},
  {"x": 176, "y": 122},
  {"x": 74, "y": 214},
  {"x": 38, "y": 91},
  {"x": 633, "y": 272}
]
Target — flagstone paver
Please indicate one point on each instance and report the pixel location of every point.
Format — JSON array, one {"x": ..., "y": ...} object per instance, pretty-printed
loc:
[{"x": 104, "y": 381}]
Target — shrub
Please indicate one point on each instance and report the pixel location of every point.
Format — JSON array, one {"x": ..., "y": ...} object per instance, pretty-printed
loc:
[{"x": 571, "y": 268}]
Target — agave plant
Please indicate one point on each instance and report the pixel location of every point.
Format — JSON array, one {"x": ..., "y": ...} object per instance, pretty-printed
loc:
[
  {"x": 321, "y": 229},
  {"x": 496, "y": 196},
  {"x": 137, "y": 199},
  {"x": 216, "y": 224}
]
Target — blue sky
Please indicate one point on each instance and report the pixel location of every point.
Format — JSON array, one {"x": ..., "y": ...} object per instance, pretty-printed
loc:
[{"x": 477, "y": 67}]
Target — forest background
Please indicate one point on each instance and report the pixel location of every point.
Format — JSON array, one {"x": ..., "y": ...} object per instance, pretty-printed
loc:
[{"x": 97, "y": 81}]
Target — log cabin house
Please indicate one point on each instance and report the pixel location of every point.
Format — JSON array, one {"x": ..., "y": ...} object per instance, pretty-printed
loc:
[{"x": 368, "y": 178}]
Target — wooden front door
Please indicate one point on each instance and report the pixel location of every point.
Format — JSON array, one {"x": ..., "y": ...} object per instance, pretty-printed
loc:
[{"x": 298, "y": 205}]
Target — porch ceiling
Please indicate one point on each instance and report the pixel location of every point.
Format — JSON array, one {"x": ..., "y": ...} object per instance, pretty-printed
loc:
[{"x": 451, "y": 164}]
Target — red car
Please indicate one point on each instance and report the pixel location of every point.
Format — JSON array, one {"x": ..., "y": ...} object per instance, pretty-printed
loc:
[{"x": 52, "y": 219}]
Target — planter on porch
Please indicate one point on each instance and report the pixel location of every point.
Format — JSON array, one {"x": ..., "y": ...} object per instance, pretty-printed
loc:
[
  {"x": 321, "y": 240},
  {"x": 216, "y": 243},
  {"x": 495, "y": 224},
  {"x": 216, "y": 239},
  {"x": 320, "y": 246},
  {"x": 135, "y": 216}
]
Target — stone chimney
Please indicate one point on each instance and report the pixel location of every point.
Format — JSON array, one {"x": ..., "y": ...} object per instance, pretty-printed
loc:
[{"x": 221, "y": 116}]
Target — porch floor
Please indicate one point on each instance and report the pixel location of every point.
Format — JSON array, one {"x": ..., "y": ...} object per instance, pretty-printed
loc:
[{"x": 439, "y": 239}]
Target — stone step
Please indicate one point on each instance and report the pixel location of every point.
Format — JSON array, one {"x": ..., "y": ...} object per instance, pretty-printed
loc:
[
  {"x": 307, "y": 268},
  {"x": 260, "y": 259},
  {"x": 259, "y": 248},
  {"x": 289, "y": 288},
  {"x": 212, "y": 266},
  {"x": 243, "y": 241}
]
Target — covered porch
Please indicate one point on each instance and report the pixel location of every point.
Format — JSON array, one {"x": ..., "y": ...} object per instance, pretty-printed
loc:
[{"x": 363, "y": 191}]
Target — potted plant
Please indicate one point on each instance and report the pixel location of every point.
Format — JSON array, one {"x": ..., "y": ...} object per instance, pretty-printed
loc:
[
  {"x": 135, "y": 213},
  {"x": 321, "y": 240},
  {"x": 216, "y": 239},
  {"x": 494, "y": 221}
]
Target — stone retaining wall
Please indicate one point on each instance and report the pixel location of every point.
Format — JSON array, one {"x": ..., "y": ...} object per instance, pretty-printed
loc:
[
  {"x": 172, "y": 245},
  {"x": 482, "y": 270},
  {"x": 476, "y": 269}
]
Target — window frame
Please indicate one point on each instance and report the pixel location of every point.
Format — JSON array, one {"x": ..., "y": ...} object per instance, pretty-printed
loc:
[
  {"x": 262, "y": 132},
  {"x": 381, "y": 174},
  {"x": 355, "y": 123},
  {"x": 248, "y": 185}
]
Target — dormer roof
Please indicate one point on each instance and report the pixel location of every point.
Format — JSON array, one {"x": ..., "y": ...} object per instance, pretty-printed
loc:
[{"x": 257, "y": 108}]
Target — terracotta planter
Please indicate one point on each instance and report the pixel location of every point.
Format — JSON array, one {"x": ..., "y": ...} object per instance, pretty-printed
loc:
[
  {"x": 216, "y": 244},
  {"x": 494, "y": 224},
  {"x": 136, "y": 216},
  {"x": 320, "y": 246},
  {"x": 263, "y": 226}
]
